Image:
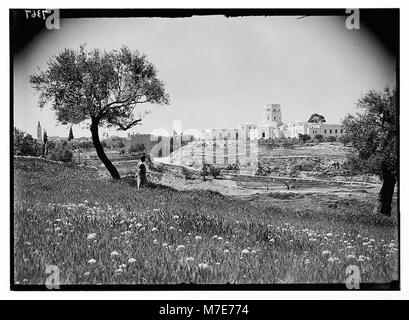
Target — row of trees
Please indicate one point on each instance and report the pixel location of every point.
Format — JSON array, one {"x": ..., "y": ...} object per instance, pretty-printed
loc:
[
  {"x": 25, "y": 145},
  {"x": 103, "y": 88}
]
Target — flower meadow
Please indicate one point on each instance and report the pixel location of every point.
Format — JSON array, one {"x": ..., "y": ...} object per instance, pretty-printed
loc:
[{"x": 103, "y": 232}]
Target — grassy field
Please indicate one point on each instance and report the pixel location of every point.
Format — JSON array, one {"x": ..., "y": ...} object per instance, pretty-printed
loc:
[{"x": 99, "y": 231}]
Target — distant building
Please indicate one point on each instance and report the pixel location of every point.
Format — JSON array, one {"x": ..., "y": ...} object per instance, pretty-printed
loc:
[
  {"x": 273, "y": 127},
  {"x": 325, "y": 129},
  {"x": 147, "y": 140},
  {"x": 295, "y": 128},
  {"x": 220, "y": 134},
  {"x": 247, "y": 131},
  {"x": 57, "y": 138}
]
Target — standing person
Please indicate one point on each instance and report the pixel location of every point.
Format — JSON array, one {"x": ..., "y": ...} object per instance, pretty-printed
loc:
[{"x": 141, "y": 172}]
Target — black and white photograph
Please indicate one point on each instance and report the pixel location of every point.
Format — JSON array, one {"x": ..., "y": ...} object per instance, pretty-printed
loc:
[{"x": 197, "y": 149}]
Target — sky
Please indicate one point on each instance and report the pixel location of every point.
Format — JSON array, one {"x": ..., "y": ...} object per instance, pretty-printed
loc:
[{"x": 220, "y": 72}]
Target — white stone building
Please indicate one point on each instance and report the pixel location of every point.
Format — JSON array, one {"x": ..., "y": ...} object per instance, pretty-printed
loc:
[
  {"x": 272, "y": 127},
  {"x": 220, "y": 134},
  {"x": 325, "y": 129}
]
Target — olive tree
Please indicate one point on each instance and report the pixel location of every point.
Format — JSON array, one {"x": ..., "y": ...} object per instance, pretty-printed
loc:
[
  {"x": 100, "y": 88},
  {"x": 373, "y": 132}
]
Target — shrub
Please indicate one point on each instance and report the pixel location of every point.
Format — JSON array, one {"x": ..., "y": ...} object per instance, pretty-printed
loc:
[
  {"x": 215, "y": 171},
  {"x": 61, "y": 153},
  {"x": 187, "y": 173},
  {"x": 344, "y": 139},
  {"x": 288, "y": 145},
  {"x": 205, "y": 171},
  {"x": 304, "y": 137},
  {"x": 319, "y": 137},
  {"x": 24, "y": 144},
  {"x": 232, "y": 167},
  {"x": 330, "y": 139}
]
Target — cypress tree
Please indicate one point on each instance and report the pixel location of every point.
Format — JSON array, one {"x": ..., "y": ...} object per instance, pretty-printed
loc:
[{"x": 70, "y": 135}]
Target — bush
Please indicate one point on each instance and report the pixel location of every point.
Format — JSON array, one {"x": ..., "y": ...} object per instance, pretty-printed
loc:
[
  {"x": 344, "y": 140},
  {"x": 330, "y": 139},
  {"x": 304, "y": 137},
  {"x": 60, "y": 152},
  {"x": 25, "y": 145},
  {"x": 215, "y": 171},
  {"x": 232, "y": 167},
  {"x": 319, "y": 137},
  {"x": 187, "y": 173},
  {"x": 288, "y": 145},
  {"x": 205, "y": 171}
]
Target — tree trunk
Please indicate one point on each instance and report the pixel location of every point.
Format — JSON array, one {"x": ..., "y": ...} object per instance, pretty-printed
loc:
[
  {"x": 101, "y": 153},
  {"x": 384, "y": 205}
]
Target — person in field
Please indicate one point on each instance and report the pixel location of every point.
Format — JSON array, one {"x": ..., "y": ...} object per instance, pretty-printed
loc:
[{"x": 141, "y": 172}]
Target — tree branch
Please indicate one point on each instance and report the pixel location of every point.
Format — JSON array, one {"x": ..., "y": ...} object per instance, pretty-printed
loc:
[{"x": 128, "y": 126}]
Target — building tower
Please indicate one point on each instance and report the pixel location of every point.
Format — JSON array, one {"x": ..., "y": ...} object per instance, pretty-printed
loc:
[
  {"x": 39, "y": 133},
  {"x": 272, "y": 112}
]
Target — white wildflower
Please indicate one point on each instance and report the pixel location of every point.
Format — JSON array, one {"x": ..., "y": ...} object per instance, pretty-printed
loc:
[
  {"x": 114, "y": 254},
  {"x": 91, "y": 236},
  {"x": 203, "y": 266}
]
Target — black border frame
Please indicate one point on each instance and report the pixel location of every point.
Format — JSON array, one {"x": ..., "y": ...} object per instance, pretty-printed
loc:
[{"x": 186, "y": 13}]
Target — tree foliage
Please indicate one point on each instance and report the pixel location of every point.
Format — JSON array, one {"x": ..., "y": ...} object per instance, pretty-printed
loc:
[
  {"x": 316, "y": 118},
  {"x": 304, "y": 137},
  {"x": 319, "y": 137},
  {"x": 24, "y": 144},
  {"x": 373, "y": 131}
]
